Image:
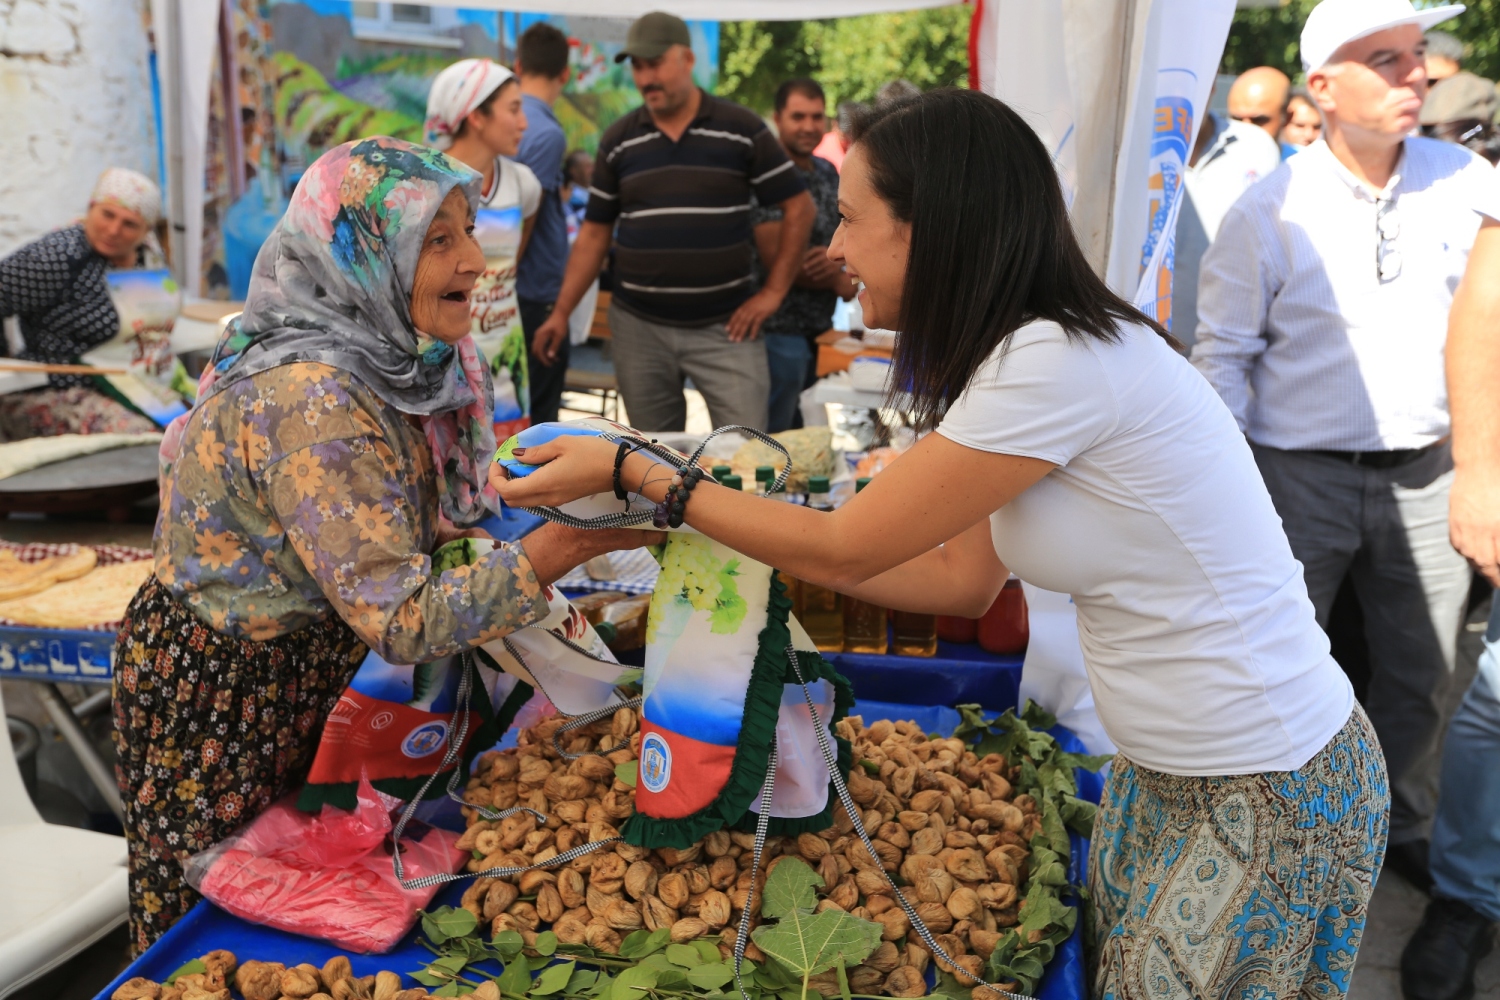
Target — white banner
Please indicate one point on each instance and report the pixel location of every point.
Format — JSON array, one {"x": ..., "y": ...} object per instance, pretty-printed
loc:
[{"x": 1116, "y": 89}]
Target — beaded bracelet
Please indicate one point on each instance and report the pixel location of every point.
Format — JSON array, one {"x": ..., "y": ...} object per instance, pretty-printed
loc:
[{"x": 670, "y": 511}]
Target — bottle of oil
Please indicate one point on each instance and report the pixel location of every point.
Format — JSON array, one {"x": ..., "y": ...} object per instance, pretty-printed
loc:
[
  {"x": 822, "y": 609},
  {"x": 864, "y": 623},
  {"x": 764, "y": 476},
  {"x": 720, "y": 471},
  {"x": 914, "y": 634}
]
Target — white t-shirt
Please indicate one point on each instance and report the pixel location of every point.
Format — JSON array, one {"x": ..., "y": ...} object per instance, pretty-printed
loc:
[
  {"x": 513, "y": 198},
  {"x": 1199, "y": 639}
]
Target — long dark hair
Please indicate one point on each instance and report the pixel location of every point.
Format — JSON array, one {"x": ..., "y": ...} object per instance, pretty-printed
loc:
[{"x": 992, "y": 247}]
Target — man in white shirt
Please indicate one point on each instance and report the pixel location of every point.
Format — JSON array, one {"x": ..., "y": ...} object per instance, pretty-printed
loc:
[
  {"x": 1322, "y": 319},
  {"x": 1228, "y": 157}
]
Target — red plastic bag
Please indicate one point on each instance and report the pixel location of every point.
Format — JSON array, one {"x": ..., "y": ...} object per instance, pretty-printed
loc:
[{"x": 326, "y": 875}]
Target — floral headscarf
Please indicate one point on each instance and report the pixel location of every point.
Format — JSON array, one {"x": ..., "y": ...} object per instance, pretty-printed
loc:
[{"x": 333, "y": 285}]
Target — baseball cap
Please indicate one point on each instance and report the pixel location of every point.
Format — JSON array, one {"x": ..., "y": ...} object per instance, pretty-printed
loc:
[
  {"x": 652, "y": 34},
  {"x": 1461, "y": 97},
  {"x": 1335, "y": 22}
]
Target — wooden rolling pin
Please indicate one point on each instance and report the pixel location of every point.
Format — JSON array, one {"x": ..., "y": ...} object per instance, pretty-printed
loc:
[{"x": 14, "y": 366}]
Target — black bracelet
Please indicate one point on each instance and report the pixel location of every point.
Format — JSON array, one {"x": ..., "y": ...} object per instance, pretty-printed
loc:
[
  {"x": 670, "y": 511},
  {"x": 620, "y": 453}
]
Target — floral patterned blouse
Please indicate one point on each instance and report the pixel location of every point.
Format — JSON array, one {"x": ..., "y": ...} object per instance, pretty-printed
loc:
[{"x": 299, "y": 493}]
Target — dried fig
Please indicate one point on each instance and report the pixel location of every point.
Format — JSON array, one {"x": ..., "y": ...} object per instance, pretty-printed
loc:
[
  {"x": 864, "y": 979},
  {"x": 570, "y": 929},
  {"x": 138, "y": 988},
  {"x": 259, "y": 980},
  {"x": 657, "y": 913},
  {"x": 220, "y": 965},
  {"x": 870, "y": 882},
  {"x": 926, "y": 841},
  {"x": 698, "y": 880},
  {"x": 936, "y": 917},
  {"x": 498, "y": 899},
  {"x": 640, "y": 879},
  {"x": 905, "y": 982},
  {"x": 982, "y": 942},
  {"x": 964, "y": 904},
  {"x": 570, "y": 787},
  {"x": 934, "y": 885},
  {"x": 349, "y": 988},
  {"x": 967, "y": 865},
  {"x": 845, "y": 894},
  {"x": 338, "y": 967},
  {"x": 997, "y": 895},
  {"x": 487, "y": 990},
  {"x": 929, "y": 801},
  {"x": 603, "y": 937},
  {"x": 878, "y": 904},
  {"x": 608, "y": 873},
  {"x": 623, "y": 915},
  {"x": 717, "y": 844},
  {"x": 673, "y": 890},
  {"x": 592, "y": 768},
  {"x": 300, "y": 981},
  {"x": 687, "y": 929},
  {"x": 714, "y": 909},
  {"x": 893, "y": 924},
  {"x": 549, "y": 904},
  {"x": 674, "y": 856},
  {"x": 571, "y": 888},
  {"x": 598, "y": 902},
  {"x": 525, "y": 916},
  {"x": 916, "y": 957},
  {"x": 884, "y": 958},
  {"x": 388, "y": 984}
]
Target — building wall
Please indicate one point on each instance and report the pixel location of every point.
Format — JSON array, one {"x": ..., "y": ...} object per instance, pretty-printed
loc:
[{"x": 75, "y": 98}]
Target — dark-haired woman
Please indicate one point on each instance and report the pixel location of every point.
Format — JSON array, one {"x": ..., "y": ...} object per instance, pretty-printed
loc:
[{"x": 1245, "y": 818}]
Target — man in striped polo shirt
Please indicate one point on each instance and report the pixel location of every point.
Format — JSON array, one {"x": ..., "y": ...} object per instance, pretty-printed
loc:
[{"x": 672, "y": 192}]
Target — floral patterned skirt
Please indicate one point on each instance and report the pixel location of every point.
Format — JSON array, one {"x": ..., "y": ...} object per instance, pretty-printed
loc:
[
  {"x": 210, "y": 731},
  {"x": 1247, "y": 887}
]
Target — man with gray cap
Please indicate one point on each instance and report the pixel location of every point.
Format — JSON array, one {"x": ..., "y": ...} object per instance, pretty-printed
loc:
[
  {"x": 1461, "y": 109},
  {"x": 672, "y": 192},
  {"x": 1323, "y": 314}
]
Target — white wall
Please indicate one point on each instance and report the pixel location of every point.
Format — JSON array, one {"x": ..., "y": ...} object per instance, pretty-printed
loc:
[{"x": 75, "y": 98}]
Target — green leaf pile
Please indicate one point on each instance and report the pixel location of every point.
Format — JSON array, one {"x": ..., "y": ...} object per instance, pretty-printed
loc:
[{"x": 1047, "y": 775}]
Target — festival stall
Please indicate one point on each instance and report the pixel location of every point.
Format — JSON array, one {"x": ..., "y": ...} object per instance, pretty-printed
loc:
[{"x": 925, "y": 831}]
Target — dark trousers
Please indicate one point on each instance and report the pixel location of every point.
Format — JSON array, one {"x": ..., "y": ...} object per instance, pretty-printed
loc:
[{"x": 546, "y": 380}]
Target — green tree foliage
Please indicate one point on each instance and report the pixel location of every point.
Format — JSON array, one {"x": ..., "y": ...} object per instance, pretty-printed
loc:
[
  {"x": 852, "y": 57},
  {"x": 1268, "y": 36}
]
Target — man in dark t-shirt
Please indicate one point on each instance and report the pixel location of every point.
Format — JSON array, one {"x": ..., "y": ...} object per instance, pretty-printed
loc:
[
  {"x": 672, "y": 189},
  {"x": 801, "y": 122}
]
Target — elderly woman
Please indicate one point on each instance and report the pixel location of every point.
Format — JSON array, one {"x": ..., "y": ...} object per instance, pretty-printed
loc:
[
  {"x": 344, "y": 429},
  {"x": 56, "y": 287}
]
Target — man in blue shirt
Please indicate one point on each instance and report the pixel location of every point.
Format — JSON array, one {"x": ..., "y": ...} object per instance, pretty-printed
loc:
[{"x": 542, "y": 65}]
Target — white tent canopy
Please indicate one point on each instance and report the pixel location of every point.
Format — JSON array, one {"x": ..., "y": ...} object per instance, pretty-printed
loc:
[{"x": 703, "y": 10}]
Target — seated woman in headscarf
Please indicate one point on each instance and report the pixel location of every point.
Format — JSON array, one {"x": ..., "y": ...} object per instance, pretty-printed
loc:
[
  {"x": 56, "y": 287},
  {"x": 344, "y": 428}
]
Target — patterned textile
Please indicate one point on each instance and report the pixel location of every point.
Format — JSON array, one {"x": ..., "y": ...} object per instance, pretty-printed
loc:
[
  {"x": 635, "y": 573},
  {"x": 56, "y": 287},
  {"x": 129, "y": 190},
  {"x": 299, "y": 495},
  {"x": 333, "y": 285},
  {"x": 47, "y": 412},
  {"x": 454, "y": 95},
  {"x": 1247, "y": 887},
  {"x": 805, "y": 312},
  {"x": 210, "y": 732}
]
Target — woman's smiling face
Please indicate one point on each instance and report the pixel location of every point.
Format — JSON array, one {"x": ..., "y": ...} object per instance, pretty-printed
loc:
[
  {"x": 871, "y": 243},
  {"x": 449, "y": 265}
]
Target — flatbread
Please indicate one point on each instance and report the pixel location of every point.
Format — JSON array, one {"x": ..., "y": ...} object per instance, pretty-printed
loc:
[
  {"x": 95, "y": 598},
  {"x": 20, "y": 579}
]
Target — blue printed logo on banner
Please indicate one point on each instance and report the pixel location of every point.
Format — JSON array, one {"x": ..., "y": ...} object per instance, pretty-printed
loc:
[
  {"x": 1171, "y": 140},
  {"x": 426, "y": 740},
  {"x": 656, "y": 763}
]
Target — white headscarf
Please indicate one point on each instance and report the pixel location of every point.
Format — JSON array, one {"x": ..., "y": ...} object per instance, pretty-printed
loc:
[
  {"x": 131, "y": 190},
  {"x": 455, "y": 93}
]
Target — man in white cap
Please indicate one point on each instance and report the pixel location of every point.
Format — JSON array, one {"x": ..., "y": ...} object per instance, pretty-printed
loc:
[{"x": 1323, "y": 314}]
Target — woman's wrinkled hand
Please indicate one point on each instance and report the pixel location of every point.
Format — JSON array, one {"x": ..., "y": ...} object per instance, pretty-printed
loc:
[
  {"x": 555, "y": 550},
  {"x": 575, "y": 467}
]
